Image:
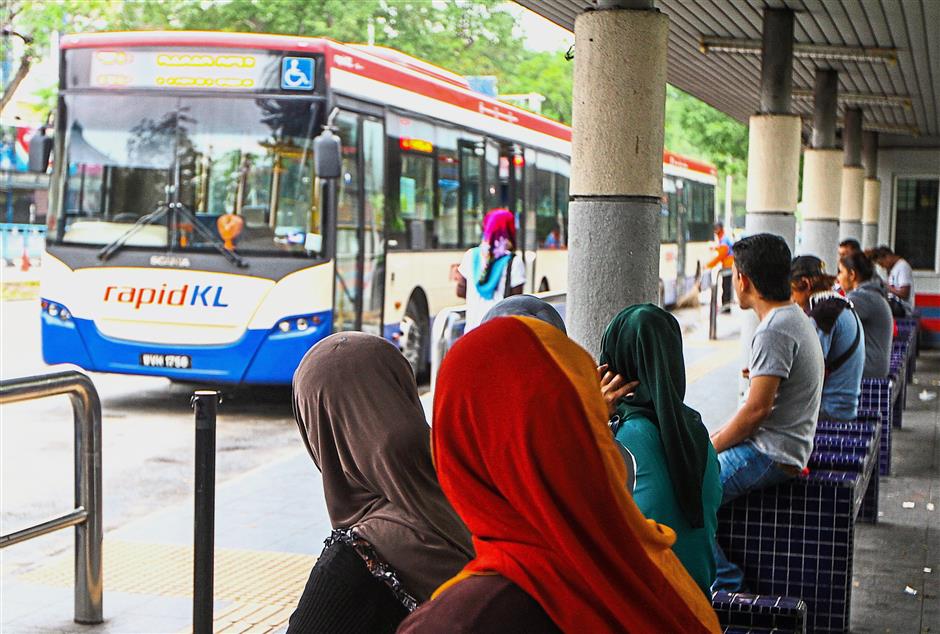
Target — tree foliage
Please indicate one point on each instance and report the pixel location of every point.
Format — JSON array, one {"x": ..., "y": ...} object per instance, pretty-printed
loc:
[
  {"x": 695, "y": 128},
  {"x": 470, "y": 37}
]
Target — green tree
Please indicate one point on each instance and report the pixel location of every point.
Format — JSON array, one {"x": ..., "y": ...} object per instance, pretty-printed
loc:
[
  {"x": 548, "y": 74},
  {"x": 468, "y": 37},
  {"x": 693, "y": 127}
]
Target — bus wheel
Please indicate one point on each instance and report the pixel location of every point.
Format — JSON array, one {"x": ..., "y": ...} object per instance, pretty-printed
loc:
[{"x": 415, "y": 332}]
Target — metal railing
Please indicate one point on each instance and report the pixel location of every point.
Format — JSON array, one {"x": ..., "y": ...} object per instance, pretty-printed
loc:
[
  {"x": 716, "y": 281},
  {"x": 86, "y": 517},
  {"x": 449, "y": 322},
  {"x": 205, "y": 406}
]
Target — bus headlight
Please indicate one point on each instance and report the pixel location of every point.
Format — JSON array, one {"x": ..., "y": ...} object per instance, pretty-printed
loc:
[
  {"x": 57, "y": 311},
  {"x": 298, "y": 324}
]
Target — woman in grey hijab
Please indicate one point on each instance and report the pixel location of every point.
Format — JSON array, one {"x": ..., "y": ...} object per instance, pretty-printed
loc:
[
  {"x": 527, "y": 306},
  {"x": 396, "y": 537}
]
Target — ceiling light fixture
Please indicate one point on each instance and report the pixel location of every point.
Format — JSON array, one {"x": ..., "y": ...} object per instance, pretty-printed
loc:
[
  {"x": 864, "y": 99},
  {"x": 874, "y": 126},
  {"x": 714, "y": 44}
]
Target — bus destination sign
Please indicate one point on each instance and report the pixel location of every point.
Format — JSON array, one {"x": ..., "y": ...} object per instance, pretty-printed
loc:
[{"x": 189, "y": 69}]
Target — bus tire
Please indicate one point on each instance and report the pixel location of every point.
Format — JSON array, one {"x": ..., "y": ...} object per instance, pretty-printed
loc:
[{"x": 416, "y": 336}]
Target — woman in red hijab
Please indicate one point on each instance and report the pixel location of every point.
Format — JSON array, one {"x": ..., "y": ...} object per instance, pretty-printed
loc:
[{"x": 538, "y": 479}]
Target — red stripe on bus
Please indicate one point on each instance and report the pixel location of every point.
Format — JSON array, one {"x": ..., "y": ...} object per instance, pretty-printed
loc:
[
  {"x": 932, "y": 325},
  {"x": 927, "y": 300},
  {"x": 670, "y": 158}
]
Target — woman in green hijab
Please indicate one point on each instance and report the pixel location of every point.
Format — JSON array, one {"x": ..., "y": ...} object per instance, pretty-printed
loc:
[{"x": 677, "y": 481}]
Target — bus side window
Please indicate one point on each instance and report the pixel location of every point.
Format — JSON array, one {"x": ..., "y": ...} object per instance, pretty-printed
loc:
[
  {"x": 416, "y": 199},
  {"x": 562, "y": 180},
  {"x": 702, "y": 216},
  {"x": 447, "y": 223},
  {"x": 668, "y": 226},
  {"x": 531, "y": 200},
  {"x": 471, "y": 186},
  {"x": 549, "y": 223}
]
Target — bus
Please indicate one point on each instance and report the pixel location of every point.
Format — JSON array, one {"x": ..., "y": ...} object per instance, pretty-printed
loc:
[{"x": 191, "y": 237}]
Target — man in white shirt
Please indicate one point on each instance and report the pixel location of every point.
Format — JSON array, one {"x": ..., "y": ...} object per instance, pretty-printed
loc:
[{"x": 900, "y": 275}]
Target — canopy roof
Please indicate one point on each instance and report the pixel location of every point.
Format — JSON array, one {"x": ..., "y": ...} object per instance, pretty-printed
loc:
[{"x": 887, "y": 53}]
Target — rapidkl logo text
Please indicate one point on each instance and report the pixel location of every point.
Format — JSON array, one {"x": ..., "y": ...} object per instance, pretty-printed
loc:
[{"x": 198, "y": 295}]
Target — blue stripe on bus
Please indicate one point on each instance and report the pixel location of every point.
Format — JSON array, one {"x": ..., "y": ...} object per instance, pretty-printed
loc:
[
  {"x": 259, "y": 356},
  {"x": 930, "y": 312}
]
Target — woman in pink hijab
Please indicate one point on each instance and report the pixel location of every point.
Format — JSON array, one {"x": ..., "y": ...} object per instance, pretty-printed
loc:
[{"x": 491, "y": 271}]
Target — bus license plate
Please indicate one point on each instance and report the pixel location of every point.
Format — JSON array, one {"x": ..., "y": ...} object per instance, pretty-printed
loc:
[{"x": 175, "y": 361}]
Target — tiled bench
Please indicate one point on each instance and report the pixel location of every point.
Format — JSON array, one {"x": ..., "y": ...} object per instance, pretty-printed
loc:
[
  {"x": 909, "y": 330},
  {"x": 739, "y": 612},
  {"x": 797, "y": 540},
  {"x": 857, "y": 454},
  {"x": 867, "y": 427},
  {"x": 878, "y": 395},
  {"x": 898, "y": 373}
]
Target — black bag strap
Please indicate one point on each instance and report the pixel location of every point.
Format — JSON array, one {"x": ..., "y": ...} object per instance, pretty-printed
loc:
[
  {"x": 512, "y": 256},
  {"x": 845, "y": 356}
]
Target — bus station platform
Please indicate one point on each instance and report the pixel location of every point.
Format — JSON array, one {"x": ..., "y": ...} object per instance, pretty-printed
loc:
[{"x": 271, "y": 522}]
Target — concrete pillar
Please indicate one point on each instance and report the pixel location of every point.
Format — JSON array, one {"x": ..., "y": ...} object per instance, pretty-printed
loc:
[
  {"x": 853, "y": 177},
  {"x": 822, "y": 175},
  {"x": 616, "y": 167},
  {"x": 773, "y": 160},
  {"x": 773, "y": 156},
  {"x": 871, "y": 199}
]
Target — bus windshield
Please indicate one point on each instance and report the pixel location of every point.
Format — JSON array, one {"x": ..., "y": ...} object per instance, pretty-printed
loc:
[{"x": 247, "y": 156}]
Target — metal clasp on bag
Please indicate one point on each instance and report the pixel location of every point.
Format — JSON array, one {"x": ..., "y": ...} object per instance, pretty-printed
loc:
[{"x": 615, "y": 423}]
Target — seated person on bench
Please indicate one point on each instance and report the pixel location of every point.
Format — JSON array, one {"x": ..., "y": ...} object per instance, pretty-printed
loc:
[
  {"x": 770, "y": 438},
  {"x": 840, "y": 334}
]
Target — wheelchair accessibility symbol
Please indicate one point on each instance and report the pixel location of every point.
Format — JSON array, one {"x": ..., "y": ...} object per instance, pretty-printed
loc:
[{"x": 297, "y": 73}]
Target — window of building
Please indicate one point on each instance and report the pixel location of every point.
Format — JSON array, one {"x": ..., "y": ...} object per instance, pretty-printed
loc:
[{"x": 915, "y": 233}]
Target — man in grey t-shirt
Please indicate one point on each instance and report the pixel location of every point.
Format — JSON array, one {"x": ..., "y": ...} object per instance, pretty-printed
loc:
[
  {"x": 770, "y": 438},
  {"x": 785, "y": 346}
]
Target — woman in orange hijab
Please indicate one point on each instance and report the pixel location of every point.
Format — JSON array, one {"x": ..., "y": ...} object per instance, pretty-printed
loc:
[{"x": 560, "y": 544}]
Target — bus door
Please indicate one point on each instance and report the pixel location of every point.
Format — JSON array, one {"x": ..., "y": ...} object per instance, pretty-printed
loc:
[
  {"x": 471, "y": 192},
  {"x": 503, "y": 181},
  {"x": 511, "y": 164},
  {"x": 359, "y": 284}
]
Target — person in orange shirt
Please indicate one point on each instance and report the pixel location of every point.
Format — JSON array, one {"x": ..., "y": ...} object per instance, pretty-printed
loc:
[{"x": 724, "y": 255}]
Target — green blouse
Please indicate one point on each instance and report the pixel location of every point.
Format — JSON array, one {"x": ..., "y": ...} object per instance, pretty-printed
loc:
[{"x": 656, "y": 498}]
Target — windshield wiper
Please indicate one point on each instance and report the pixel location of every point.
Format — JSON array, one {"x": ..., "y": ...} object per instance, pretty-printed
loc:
[{"x": 162, "y": 210}]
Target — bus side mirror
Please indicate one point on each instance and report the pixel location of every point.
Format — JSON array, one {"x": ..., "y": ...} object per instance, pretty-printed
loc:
[
  {"x": 327, "y": 155},
  {"x": 40, "y": 149}
]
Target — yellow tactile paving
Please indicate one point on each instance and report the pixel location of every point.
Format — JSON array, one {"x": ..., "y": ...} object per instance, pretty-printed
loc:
[
  {"x": 263, "y": 586},
  {"x": 724, "y": 352}
]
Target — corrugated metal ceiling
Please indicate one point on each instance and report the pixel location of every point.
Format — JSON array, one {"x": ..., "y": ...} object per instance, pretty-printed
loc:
[{"x": 730, "y": 82}]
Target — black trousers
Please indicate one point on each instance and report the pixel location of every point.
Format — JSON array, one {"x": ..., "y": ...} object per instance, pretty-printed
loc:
[
  {"x": 342, "y": 597},
  {"x": 727, "y": 294}
]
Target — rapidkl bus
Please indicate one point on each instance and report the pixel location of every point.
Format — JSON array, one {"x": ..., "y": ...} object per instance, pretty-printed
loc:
[{"x": 190, "y": 235}]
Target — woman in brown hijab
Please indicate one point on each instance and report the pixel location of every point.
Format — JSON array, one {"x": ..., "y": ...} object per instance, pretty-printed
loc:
[{"x": 395, "y": 536}]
